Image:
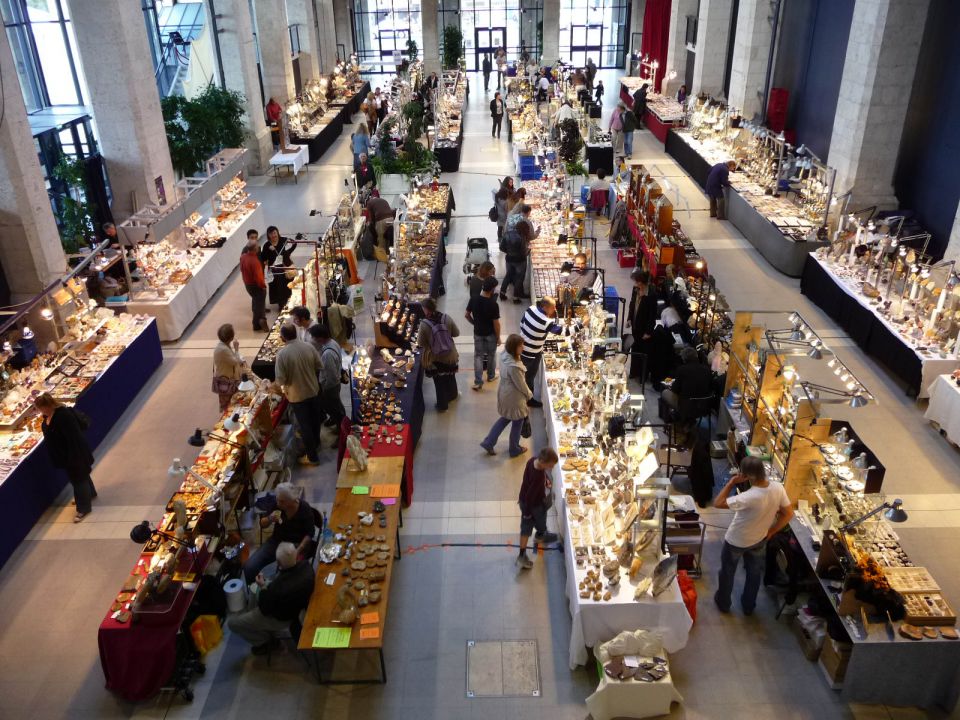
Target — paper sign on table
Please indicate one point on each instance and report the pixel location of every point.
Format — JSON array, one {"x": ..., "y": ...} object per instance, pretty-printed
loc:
[
  {"x": 381, "y": 491},
  {"x": 361, "y": 490},
  {"x": 370, "y": 618},
  {"x": 370, "y": 633},
  {"x": 331, "y": 638},
  {"x": 389, "y": 501}
]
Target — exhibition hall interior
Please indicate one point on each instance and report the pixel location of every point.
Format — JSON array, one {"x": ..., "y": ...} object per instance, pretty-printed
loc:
[{"x": 568, "y": 359}]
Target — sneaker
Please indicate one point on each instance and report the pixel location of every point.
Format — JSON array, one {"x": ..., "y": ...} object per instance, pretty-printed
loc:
[
  {"x": 477, "y": 386},
  {"x": 503, "y": 296},
  {"x": 524, "y": 562},
  {"x": 534, "y": 404},
  {"x": 490, "y": 450},
  {"x": 519, "y": 451},
  {"x": 547, "y": 538},
  {"x": 306, "y": 460},
  {"x": 79, "y": 516},
  {"x": 493, "y": 377}
]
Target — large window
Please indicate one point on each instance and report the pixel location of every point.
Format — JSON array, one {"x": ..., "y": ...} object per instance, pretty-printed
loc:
[
  {"x": 382, "y": 26},
  {"x": 516, "y": 25},
  {"x": 41, "y": 37},
  {"x": 594, "y": 29}
]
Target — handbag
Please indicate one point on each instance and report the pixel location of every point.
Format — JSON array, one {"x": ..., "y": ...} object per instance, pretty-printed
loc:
[
  {"x": 526, "y": 430},
  {"x": 493, "y": 214},
  {"x": 223, "y": 385}
]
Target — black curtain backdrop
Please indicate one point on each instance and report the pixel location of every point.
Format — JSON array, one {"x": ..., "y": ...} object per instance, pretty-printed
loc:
[
  {"x": 927, "y": 179},
  {"x": 656, "y": 35},
  {"x": 809, "y": 63}
]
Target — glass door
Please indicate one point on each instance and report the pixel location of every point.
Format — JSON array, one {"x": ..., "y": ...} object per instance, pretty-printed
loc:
[
  {"x": 487, "y": 41},
  {"x": 594, "y": 29}
]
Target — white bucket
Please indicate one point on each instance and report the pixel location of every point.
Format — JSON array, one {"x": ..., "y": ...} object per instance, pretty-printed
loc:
[{"x": 236, "y": 592}]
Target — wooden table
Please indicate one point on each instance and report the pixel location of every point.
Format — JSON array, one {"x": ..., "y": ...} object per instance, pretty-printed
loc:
[{"x": 323, "y": 602}]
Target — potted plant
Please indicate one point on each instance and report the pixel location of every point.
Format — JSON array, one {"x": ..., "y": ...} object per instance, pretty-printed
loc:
[
  {"x": 199, "y": 127},
  {"x": 74, "y": 212},
  {"x": 570, "y": 153},
  {"x": 452, "y": 46},
  {"x": 394, "y": 169}
]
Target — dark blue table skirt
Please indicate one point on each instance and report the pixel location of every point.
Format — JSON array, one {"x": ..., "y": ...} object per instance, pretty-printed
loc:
[
  {"x": 412, "y": 406},
  {"x": 30, "y": 489}
]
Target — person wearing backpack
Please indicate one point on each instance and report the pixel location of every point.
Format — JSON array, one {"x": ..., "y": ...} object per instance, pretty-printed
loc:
[
  {"x": 517, "y": 235},
  {"x": 440, "y": 356},
  {"x": 63, "y": 434}
]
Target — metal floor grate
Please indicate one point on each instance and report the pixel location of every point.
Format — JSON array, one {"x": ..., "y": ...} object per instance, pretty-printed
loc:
[{"x": 503, "y": 668}]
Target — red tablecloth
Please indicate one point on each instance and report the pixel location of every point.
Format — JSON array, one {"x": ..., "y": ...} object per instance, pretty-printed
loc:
[
  {"x": 658, "y": 128},
  {"x": 382, "y": 449},
  {"x": 138, "y": 658}
]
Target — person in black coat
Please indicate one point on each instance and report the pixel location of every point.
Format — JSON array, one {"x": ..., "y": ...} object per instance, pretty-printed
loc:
[
  {"x": 497, "y": 109},
  {"x": 640, "y": 101},
  {"x": 642, "y": 317},
  {"x": 276, "y": 252},
  {"x": 487, "y": 67},
  {"x": 63, "y": 429}
]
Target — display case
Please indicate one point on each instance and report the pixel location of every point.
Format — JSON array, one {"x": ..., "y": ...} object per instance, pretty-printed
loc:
[{"x": 415, "y": 264}]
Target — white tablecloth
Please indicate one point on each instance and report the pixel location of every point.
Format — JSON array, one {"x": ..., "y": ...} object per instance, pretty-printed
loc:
[
  {"x": 932, "y": 365},
  {"x": 944, "y": 408},
  {"x": 597, "y": 622},
  {"x": 175, "y": 312},
  {"x": 632, "y": 698},
  {"x": 295, "y": 160}
]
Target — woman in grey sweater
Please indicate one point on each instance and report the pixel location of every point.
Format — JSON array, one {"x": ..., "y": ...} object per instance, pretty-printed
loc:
[{"x": 512, "y": 396}]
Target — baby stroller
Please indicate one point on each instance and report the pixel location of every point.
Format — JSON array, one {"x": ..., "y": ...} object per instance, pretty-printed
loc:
[{"x": 477, "y": 254}]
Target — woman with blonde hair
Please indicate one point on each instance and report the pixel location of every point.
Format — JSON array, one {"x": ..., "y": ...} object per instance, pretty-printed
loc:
[
  {"x": 512, "y": 396},
  {"x": 63, "y": 435}
]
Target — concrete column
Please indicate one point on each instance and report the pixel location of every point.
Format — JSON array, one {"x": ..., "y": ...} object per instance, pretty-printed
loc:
[
  {"x": 953, "y": 245},
  {"x": 328, "y": 35},
  {"x": 273, "y": 39},
  {"x": 343, "y": 26},
  {"x": 713, "y": 34},
  {"x": 551, "y": 31},
  {"x": 636, "y": 26},
  {"x": 875, "y": 90},
  {"x": 30, "y": 251},
  {"x": 677, "y": 50},
  {"x": 303, "y": 14},
  {"x": 430, "y": 52},
  {"x": 239, "y": 52},
  {"x": 125, "y": 101},
  {"x": 751, "y": 51}
]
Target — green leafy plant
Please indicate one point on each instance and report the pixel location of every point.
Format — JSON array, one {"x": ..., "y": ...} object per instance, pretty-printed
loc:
[
  {"x": 413, "y": 50},
  {"x": 413, "y": 113},
  {"x": 576, "y": 168},
  {"x": 199, "y": 127},
  {"x": 74, "y": 212},
  {"x": 452, "y": 46},
  {"x": 571, "y": 144}
]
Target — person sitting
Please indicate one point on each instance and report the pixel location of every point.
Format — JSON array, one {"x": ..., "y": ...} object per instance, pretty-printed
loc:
[
  {"x": 566, "y": 112},
  {"x": 365, "y": 174},
  {"x": 692, "y": 380},
  {"x": 581, "y": 278},
  {"x": 293, "y": 521},
  {"x": 277, "y": 603},
  {"x": 601, "y": 182},
  {"x": 300, "y": 317},
  {"x": 671, "y": 318}
]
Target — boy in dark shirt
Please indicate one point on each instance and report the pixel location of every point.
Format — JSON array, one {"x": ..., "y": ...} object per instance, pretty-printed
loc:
[
  {"x": 483, "y": 313},
  {"x": 533, "y": 502}
]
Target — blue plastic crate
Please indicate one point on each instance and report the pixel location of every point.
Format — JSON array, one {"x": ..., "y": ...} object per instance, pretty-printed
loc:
[
  {"x": 534, "y": 174},
  {"x": 611, "y": 300}
]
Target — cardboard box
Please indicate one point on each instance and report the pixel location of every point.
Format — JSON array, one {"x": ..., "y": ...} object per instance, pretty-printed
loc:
[
  {"x": 834, "y": 657},
  {"x": 811, "y": 647}
]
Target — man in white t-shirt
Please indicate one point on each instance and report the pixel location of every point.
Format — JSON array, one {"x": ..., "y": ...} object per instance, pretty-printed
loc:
[{"x": 760, "y": 513}]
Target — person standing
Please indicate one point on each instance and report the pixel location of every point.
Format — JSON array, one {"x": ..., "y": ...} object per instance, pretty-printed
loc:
[
  {"x": 536, "y": 324},
  {"x": 297, "y": 369},
  {"x": 641, "y": 321},
  {"x": 330, "y": 375},
  {"x": 381, "y": 215},
  {"x": 485, "y": 270},
  {"x": 227, "y": 365},
  {"x": 640, "y": 101},
  {"x": 366, "y": 177},
  {"x": 487, "y": 67},
  {"x": 631, "y": 123},
  {"x": 370, "y": 112},
  {"x": 616, "y": 128},
  {"x": 484, "y": 314},
  {"x": 440, "y": 356},
  {"x": 717, "y": 180},
  {"x": 380, "y": 103},
  {"x": 598, "y": 92},
  {"x": 591, "y": 71},
  {"x": 276, "y": 255},
  {"x": 512, "y": 396},
  {"x": 496, "y": 112},
  {"x": 518, "y": 233},
  {"x": 500, "y": 57},
  {"x": 63, "y": 434},
  {"x": 500, "y": 199},
  {"x": 682, "y": 94},
  {"x": 759, "y": 514},
  {"x": 360, "y": 143},
  {"x": 537, "y": 485},
  {"x": 274, "y": 112},
  {"x": 251, "y": 270}
]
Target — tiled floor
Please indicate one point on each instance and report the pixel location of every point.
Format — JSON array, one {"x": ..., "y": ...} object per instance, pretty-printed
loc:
[{"x": 457, "y": 580}]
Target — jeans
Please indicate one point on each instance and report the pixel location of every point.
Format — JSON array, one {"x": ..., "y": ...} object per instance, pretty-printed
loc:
[
  {"x": 498, "y": 427},
  {"x": 445, "y": 384},
  {"x": 83, "y": 489},
  {"x": 484, "y": 346},
  {"x": 497, "y": 122},
  {"x": 516, "y": 272},
  {"x": 753, "y": 562},
  {"x": 486, "y": 81},
  {"x": 309, "y": 415},
  {"x": 258, "y": 304},
  {"x": 533, "y": 369},
  {"x": 259, "y": 559},
  {"x": 255, "y": 627},
  {"x": 627, "y": 143}
]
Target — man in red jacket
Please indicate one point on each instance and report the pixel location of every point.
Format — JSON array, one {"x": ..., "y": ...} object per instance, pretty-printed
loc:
[{"x": 251, "y": 269}]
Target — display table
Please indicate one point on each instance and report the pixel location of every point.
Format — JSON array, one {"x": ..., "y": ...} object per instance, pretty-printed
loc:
[
  {"x": 600, "y": 157},
  {"x": 659, "y": 128},
  {"x": 337, "y": 116},
  {"x": 34, "y": 484},
  {"x": 872, "y": 332},
  {"x": 175, "y": 312},
  {"x": 876, "y": 668},
  {"x": 323, "y": 603},
  {"x": 403, "y": 452},
  {"x": 689, "y": 159},
  {"x": 595, "y": 622},
  {"x": 409, "y": 398},
  {"x": 944, "y": 408},
  {"x": 632, "y": 698},
  {"x": 294, "y": 160},
  {"x": 787, "y": 255}
]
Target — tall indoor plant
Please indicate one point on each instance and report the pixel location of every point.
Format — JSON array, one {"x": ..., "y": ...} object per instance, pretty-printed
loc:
[
  {"x": 452, "y": 46},
  {"x": 74, "y": 211},
  {"x": 199, "y": 127}
]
